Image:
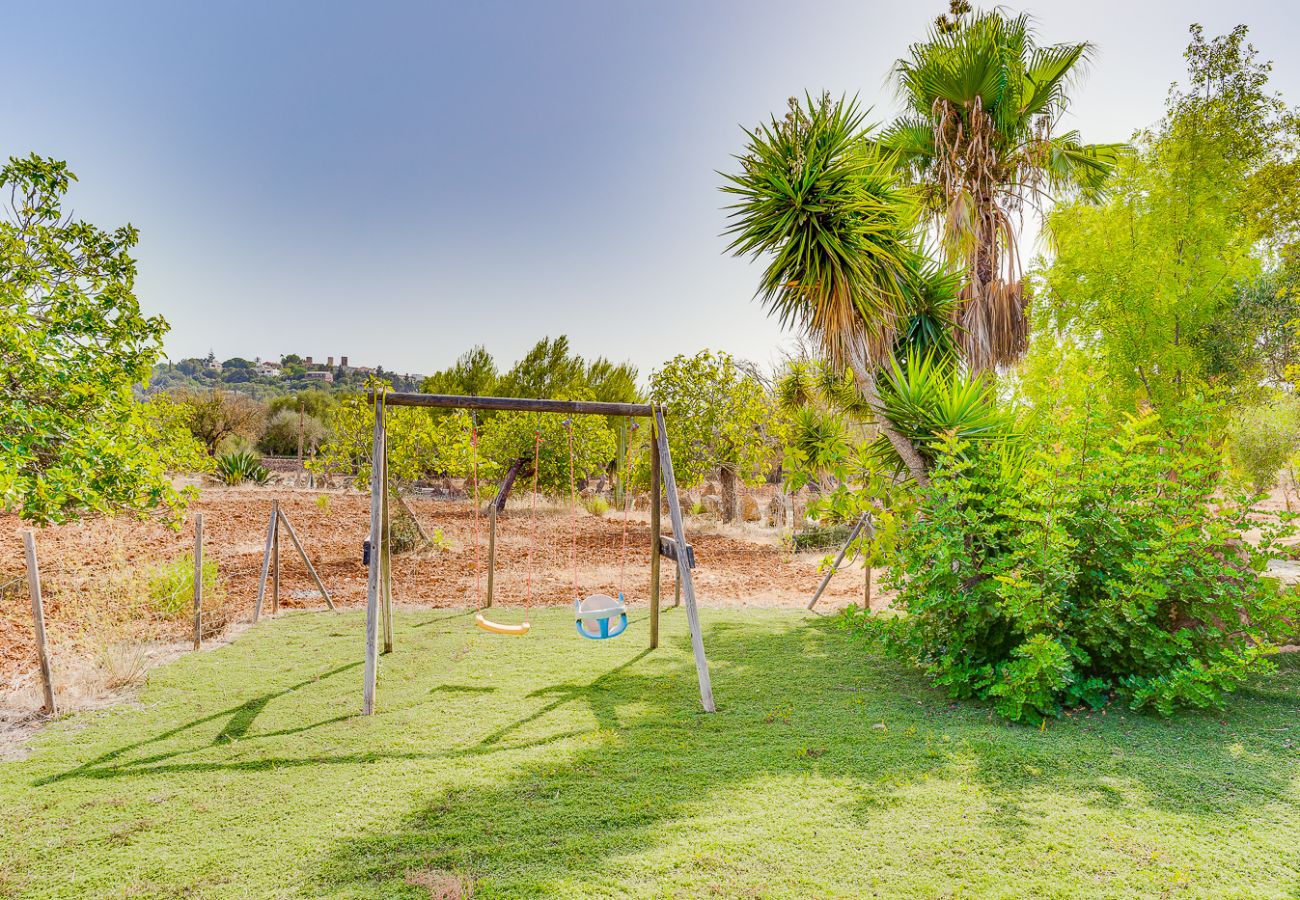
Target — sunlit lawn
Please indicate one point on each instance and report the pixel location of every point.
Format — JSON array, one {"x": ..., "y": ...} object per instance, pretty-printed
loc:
[{"x": 551, "y": 766}]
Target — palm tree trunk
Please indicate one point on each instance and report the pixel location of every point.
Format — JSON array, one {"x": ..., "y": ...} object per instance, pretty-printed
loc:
[{"x": 865, "y": 379}]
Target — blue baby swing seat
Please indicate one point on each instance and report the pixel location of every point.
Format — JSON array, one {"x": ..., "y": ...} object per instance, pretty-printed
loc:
[{"x": 593, "y": 616}]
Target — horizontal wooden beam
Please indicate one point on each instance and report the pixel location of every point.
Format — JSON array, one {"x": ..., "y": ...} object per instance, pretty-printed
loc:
[
  {"x": 668, "y": 547},
  {"x": 518, "y": 404}
]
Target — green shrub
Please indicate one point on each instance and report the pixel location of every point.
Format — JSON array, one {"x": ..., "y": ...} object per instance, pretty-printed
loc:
[
  {"x": 171, "y": 586},
  {"x": 236, "y": 468},
  {"x": 1262, "y": 438},
  {"x": 597, "y": 506},
  {"x": 1102, "y": 565}
]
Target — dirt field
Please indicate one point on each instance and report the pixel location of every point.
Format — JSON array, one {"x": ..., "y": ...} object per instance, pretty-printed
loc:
[{"x": 96, "y": 575}]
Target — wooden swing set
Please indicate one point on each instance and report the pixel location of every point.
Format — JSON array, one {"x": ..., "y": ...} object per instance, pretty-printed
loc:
[{"x": 592, "y": 614}]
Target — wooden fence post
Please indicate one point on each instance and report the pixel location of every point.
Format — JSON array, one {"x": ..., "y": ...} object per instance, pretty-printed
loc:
[
  {"x": 275, "y": 557},
  {"x": 198, "y": 580},
  {"x": 38, "y": 620}
]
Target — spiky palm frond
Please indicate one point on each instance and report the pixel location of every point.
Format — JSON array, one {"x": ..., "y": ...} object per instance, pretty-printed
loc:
[
  {"x": 931, "y": 328},
  {"x": 820, "y": 441},
  {"x": 928, "y": 397},
  {"x": 796, "y": 387},
  {"x": 825, "y": 204},
  {"x": 1087, "y": 167}
]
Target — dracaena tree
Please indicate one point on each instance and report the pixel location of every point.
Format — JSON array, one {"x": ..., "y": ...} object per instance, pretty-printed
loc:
[
  {"x": 826, "y": 208},
  {"x": 980, "y": 138}
]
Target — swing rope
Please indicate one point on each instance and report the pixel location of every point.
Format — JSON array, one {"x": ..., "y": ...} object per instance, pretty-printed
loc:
[
  {"x": 622, "y": 554},
  {"x": 532, "y": 530},
  {"x": 573, "y": 504},
  {"x": 478, "y": 570}
]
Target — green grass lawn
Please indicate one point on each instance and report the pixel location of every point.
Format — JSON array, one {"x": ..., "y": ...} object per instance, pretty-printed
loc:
[{"x": 551, "y": 766}]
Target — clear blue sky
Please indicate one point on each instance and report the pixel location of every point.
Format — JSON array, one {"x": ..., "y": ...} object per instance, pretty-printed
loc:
[{"x": 398, "y": 181}]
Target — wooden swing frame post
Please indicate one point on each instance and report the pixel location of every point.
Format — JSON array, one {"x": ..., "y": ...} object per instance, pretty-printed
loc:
[{"x": 379, "y": 585}]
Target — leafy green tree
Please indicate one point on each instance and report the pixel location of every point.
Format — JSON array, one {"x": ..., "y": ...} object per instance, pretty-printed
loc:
[
  {"x": 1263, "y": 437},
  {"x": 473, "y": 375},
  {"x": 510, "y": 438},
  {"x": 420, "y": 444},
  {"x": 719, "y": 420},
  {"x": 73, "y": 346},
  {"x": 285, "y": 427},
  {"x": 1148, "y": 281},
  {"x": 216, "y": 415},
  {"x": 981, "y": 138},
  {"x": 313, "y": 402},
  {"x": 548, "y": 371},
  {"x": 611, "y": 382}
]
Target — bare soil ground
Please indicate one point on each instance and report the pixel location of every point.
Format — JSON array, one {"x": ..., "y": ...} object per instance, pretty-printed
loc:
[{"x": 95, "y": 575}]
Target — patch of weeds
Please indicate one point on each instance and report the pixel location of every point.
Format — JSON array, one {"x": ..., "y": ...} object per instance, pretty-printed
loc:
[{"x": 170, "y": 586}]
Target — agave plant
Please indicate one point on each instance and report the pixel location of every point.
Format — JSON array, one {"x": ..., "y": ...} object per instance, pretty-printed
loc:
[
  {"x": 236, "y": 468},
  {"x": 979, "y": 138}
]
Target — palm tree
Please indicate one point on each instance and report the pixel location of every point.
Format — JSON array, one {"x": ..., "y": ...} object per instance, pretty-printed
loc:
[
  {"x": 828, "y": 209},
  {"x": 979, "y": 139}
]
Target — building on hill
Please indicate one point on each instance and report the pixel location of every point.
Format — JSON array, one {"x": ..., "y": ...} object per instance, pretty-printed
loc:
[
  {"x": 267, "y": 369},
  {"x": 319, "y": 375}
]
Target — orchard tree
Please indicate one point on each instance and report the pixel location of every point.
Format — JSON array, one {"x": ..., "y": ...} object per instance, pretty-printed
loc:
[
  {"x": 720, "y": 419},
  {"x": 74, "y": 344},
  {"x": 420, "y": 443},
  {"x": 508, "y": 449},
  {"x": 216, "y": 415}
]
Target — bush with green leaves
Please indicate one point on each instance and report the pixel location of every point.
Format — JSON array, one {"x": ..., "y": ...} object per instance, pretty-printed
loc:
[
  {"x": 1262, "y": 439},
  {"x": 236, "y": 468},
  {"x": 171, "y": 585},
  {"x": 1069, "y": 571}
]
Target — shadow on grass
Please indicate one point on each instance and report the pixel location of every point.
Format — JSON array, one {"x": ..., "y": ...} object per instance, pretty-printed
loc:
[
  {"x": 240, "y": 720},
  {"x": 798, "y": 703}
]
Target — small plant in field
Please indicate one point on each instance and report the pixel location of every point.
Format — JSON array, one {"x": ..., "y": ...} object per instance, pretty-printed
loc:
[
  {"x": 170, "y": 586},
  {"x": 439, "y": 540},
  {"x": 698, "y": 508},
  {"x": 597, "y": 506},
  {"x": 236, "y": 468},
  {"x": 323, "y": 503},
  {"x": 124, "y": 663}
]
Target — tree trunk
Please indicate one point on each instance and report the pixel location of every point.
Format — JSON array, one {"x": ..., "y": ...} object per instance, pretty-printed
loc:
[
  {"x": 511, "y": 474},
  {"x": 728, "y": 478},
  {"x": 865, "y": 379}
]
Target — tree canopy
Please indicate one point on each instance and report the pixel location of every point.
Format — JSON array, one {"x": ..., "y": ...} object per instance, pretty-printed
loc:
[{"x": 74, "y": 344}]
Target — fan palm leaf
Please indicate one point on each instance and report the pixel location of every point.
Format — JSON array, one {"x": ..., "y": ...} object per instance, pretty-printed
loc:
[{"x": 991, "y": 98}]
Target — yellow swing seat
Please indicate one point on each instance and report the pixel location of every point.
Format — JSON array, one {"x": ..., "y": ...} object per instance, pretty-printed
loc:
[{"x": 497, "y": 628}]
